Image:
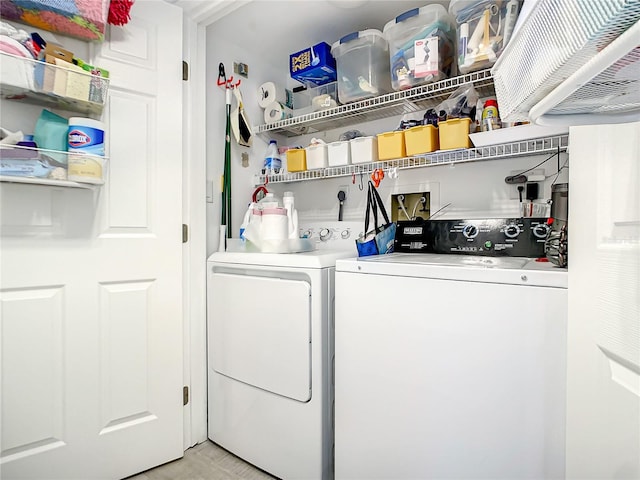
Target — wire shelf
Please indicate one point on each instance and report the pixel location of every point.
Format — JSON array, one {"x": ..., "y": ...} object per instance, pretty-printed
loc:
[
  {"x": 46, "y": 182},
  {"x": 538, "y": 146},
  {"x": 396, "y": 103}
]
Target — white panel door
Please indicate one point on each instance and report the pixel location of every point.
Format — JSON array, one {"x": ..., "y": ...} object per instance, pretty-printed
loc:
[
  {"x": 91, "y": 293},
  {"x": 603, "y": 358}
]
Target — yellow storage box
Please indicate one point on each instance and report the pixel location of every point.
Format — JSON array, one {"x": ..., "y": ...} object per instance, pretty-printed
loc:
[
  {"x": 454, "y": 133},
  {"x": 296, "y": 160},
  {"x": 391, "y": 145},
  {"x": 421, "y": 139}
]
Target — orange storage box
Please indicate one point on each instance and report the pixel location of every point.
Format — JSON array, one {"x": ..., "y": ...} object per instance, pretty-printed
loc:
[
  {"x": 454, "y": 133},
  {"x": 296, "y": 160},
  {"x": 391, "y": 145},
  {"x": 421, "y": 139}
]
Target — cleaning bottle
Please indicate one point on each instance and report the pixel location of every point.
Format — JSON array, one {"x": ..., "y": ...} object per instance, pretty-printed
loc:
[
  {"x": 490, "y": 116},
  {"x": 272, "y": 160},
  {"x": 246, "y": 220},
  {"x": 292, "y": 215}
]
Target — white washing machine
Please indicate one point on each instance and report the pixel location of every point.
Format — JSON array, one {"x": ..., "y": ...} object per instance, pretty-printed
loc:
[
  {"x": 449, "y": 366},
  {"x": 270, "y": 348}
]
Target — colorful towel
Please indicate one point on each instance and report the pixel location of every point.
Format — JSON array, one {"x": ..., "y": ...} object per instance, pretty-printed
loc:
[{"x": 85, "y": 19}]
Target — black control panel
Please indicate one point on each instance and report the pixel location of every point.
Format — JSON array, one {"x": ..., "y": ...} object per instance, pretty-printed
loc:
[{"x": 513, "y": 237}]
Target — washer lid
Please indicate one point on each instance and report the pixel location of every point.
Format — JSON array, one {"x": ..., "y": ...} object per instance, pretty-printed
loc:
[{"x": 472, "y": 268}]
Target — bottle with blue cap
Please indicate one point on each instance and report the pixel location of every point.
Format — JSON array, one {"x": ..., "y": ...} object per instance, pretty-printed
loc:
[{"x": 272, "y": 161}]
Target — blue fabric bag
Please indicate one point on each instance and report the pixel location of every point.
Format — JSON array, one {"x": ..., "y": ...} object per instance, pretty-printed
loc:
[{"x": 380, "y": 240}]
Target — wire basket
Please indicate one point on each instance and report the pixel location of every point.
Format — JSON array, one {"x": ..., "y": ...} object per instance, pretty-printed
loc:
[{"x": 556, "y": 40}]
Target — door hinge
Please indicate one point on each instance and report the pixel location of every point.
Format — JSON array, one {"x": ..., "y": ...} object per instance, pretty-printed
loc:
[
  {"x": 185, "y": 71},
  {"x": 185, "y": 395},
  {"x": 185, "y": 233}
]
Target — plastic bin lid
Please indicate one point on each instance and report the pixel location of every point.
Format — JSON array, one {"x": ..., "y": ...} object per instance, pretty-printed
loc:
[
  {"x": 360, "y": 139},
  {"x": 435, "y": 9},
  {"x": 456, "y": 5},
  {"x": 372, "y": 32}
]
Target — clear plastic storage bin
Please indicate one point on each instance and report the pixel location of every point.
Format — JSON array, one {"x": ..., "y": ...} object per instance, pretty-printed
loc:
[
  {"x": 421, "y": 46},
  {"x": 362, "y": 61},
  {"x": 364, "y": 149},
  {"x": 483, "y": 30}
]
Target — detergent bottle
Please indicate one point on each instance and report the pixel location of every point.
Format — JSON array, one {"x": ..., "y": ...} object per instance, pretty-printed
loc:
[
  {"x": 248, "y": 218},
  {"x": 292, "y": 215},
  {"x": 272, "y": 161}
]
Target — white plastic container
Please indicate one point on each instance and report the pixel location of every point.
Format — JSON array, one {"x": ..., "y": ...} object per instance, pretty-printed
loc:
[
  {"x": 85, "y": 135},
  {"x": 272, "y": 161},
  {"x": 86, "y": 168},
  {"x": 317, "y": 156},
  {"x": 483, "y": 31},
  {"x": 339, "y": 153},
  {"x": 362, "y": 60},
  {"x": 364, "y": 149},
  {"x": 421, "y": 46}
]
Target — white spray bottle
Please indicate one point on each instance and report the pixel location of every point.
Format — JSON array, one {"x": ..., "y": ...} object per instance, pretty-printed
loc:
[{"x": 292, "y": 214}]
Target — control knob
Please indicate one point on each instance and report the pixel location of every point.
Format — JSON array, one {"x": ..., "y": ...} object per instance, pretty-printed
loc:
[
  {"x": 325, "y": 234},
  {"x": 512, "y": 231},
  {"x": 470, "y": 231},
  {"x": 345, "y": 234},
  {"x": 541, "y": 230}
]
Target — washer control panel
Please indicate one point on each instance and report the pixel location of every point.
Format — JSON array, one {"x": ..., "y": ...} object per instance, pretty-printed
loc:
[
  {"x": 332, "y": 235},
  {"x": 516, "y": 237}
]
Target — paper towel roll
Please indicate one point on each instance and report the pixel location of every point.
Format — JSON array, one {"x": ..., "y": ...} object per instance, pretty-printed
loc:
[
  {"x": 275, "y": 112},
  {"x": 269, "y": 92}
]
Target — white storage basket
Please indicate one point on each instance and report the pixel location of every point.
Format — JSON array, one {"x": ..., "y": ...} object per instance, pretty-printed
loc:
[
  {"x": 339, "y": 153},
  {"x": 317, "y": 156},
  {"x": 364, "y": 149}
]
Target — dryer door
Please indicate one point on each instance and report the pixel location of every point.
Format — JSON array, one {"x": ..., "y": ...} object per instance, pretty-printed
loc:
[{"x": 262, "y": 332}]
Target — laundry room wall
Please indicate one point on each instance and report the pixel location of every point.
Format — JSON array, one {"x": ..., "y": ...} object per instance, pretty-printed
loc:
[{"x": 473, "y": 190}]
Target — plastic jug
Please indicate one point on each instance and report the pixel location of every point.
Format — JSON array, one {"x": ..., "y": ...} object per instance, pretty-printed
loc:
[
  {"x": 252, "y": 216},
  {"x": 272, "y": 161},
  {"x": 269, "y": 201}
]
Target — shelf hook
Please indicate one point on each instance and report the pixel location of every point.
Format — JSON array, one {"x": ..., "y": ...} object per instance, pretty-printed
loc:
[{"x": 222, "y": 76}]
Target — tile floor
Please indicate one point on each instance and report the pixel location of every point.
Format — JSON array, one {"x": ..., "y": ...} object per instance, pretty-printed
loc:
[{"x": 206, "y": 461}]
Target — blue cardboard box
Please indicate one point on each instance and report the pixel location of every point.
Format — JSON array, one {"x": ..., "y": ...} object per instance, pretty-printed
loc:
[{"x": 313, "y": 65}]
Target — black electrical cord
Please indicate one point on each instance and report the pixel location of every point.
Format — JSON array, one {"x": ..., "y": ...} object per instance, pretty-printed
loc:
[
  {"x": 438, "y": 211},
  {"x": 557, "y": 174},
  {"x": 510, "y": 178}
]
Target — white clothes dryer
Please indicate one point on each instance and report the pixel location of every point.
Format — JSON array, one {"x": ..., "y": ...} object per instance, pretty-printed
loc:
[
  {"x": 449, "y": 366},
  {"x": 270, "y": 351}
]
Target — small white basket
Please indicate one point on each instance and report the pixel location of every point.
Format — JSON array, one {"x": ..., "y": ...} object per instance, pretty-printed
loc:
[
  {"x": 317, "y": 156},
  {"x": 364, "y": 149},
  {"x": 339, "y": 153}
]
